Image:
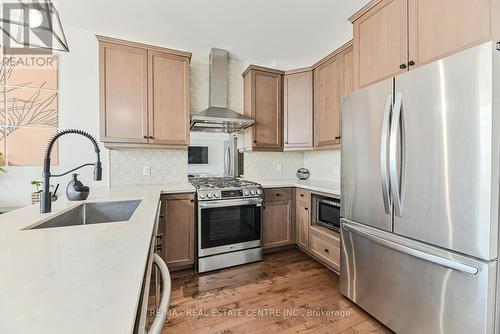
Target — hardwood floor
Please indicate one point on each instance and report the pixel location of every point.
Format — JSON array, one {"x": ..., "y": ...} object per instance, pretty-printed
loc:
[{"x": 288, "y": 292}]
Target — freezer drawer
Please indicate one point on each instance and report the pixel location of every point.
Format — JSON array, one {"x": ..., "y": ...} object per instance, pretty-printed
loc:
[{"x": 415, "y": 288}]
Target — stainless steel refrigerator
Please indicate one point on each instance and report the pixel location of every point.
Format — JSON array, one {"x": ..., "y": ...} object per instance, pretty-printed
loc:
[{"x": 420, "y": 196}]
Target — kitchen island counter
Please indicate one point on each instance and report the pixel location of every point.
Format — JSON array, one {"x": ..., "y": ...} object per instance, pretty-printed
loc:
[{"x": 76, "y": 279}]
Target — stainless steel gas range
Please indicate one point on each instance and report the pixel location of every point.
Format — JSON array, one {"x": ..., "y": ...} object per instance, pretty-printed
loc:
[{"x": 229, "y": 222}]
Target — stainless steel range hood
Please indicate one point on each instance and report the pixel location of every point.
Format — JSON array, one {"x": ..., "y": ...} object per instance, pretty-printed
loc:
[{"x": 218, "y": 117}]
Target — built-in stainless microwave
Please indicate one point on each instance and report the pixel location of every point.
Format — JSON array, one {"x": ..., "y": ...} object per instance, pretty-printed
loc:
[{"x": 326, "y": 212}]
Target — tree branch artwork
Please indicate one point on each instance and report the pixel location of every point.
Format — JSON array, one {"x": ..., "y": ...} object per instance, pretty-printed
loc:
[{"x": 26, "y": 107}]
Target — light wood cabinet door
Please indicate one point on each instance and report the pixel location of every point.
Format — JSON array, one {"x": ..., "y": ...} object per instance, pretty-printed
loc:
[
  {"x": 347, "y": 80},
  {"x": 123, "y": 93},
  {"x": 168, "y": 89},
  {"x": 178, "y": 230},
  {"x": 441, "y": 27},
  {"x": 303, "y": 221},
  {"x": 380, "y": 42},
  {"x": 327, "y": 103},
  {"x": 277, "y": 227},
  {"x": 263, "y": 101},
  {"x": 267, "y": 111},
  {"x": 298, "y": 110}
]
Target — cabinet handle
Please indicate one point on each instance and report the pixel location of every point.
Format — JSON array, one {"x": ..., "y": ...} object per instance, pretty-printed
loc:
[
  {"x": 338, "y": 137},
  {"x": 411, "y": 63},
  {"x": 151, "y": 137},
  {"x": 326, "y": 250},
  {"x": 145, "y": 137},
  {"x": 278, "y": 195},
  {"x": 301, "y": 195},
  {"x": 402, "y": 66},
  {"x": 307, "y": 209},
  {"x": 191, "y": 200}
]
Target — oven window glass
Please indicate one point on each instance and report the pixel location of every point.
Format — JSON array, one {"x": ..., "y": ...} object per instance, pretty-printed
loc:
[
  {"x": 329, "y": 214},
  {"x": 229, "y": 225}
]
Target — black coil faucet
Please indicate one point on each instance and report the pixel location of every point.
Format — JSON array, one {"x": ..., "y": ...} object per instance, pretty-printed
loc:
[{"x": 46, "y": 195}]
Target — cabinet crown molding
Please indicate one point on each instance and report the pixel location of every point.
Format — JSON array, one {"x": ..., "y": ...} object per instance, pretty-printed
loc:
[
  {"x": 262, "y": 68},
  {"x": 364, "y": 9},
  {"x": 333, "y": 54},
  {"x": 143, "y": 46}
]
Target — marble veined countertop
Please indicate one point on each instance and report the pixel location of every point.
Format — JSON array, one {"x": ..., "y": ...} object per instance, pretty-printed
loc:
[{"x": 76, "y": 279}]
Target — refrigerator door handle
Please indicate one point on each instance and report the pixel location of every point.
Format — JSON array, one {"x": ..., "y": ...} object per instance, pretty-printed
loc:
[
  {"x": 383, "y": 154},
  {"x": 397, "y": 184},
  {"x": 464, "y": 268}
]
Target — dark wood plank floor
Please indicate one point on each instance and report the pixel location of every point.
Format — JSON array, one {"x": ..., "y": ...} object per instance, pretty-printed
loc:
[{"x": 288, "y": 292}]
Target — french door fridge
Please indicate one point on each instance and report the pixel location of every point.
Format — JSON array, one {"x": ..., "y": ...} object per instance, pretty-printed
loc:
[{"x": 420, "y": 202}]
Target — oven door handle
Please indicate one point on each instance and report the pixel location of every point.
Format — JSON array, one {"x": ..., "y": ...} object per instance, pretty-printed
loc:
[{"x": 230, "y": 202}]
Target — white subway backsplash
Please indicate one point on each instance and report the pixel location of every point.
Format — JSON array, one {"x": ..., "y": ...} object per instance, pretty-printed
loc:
[{"x": 167, "y": 166}]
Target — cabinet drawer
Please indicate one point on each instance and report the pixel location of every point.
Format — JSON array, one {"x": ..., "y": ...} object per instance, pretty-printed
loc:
[
  {"x": 277, "y": 194},
  {"x": 302, "y": 195},
  {"x": 325, "y": 248}
]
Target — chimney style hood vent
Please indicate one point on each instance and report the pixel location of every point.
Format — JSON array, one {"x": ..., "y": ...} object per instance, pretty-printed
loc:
[{"x": 218, "y": 117}]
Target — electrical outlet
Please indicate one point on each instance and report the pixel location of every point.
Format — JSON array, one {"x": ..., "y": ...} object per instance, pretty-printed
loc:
[
  {"x": 146, "y": 170},
  {"x": 337, "y": 170},
  {"x": 279, "y": 168}
]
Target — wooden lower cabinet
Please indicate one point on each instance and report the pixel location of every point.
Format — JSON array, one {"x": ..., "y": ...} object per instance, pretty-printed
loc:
[
  {"x": 303, "y": 214},
  {"x": 325, "y": 246},
  {"x": 177, "y": 230},
  {"x": 278, "y": 218}
]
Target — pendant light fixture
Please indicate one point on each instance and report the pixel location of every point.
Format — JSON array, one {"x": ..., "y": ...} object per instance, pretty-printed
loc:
[{"x": 32, "y": 24}]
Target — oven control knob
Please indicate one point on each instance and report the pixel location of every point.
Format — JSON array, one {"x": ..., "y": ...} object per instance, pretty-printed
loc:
[
  {"x": 211, "y": 195},
  {"x": 202, "y": 196},
  {"x": 246, "y": 192},
  {"x": 216, "y": 195},
  {"x": 259, "y": 191},
  {"x": 253, "y": 192}
]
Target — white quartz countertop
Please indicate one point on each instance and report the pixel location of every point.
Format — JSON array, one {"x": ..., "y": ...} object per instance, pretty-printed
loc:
[
  {"x": 328, "y": 187},
  {"x": 76, "y": 279}
]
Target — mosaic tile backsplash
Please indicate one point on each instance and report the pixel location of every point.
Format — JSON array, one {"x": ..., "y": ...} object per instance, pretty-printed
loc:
[
  {"x": 167, "y": 166},
  {"x": 262, "y": 165},
  {"x": 322, "y": 165}
]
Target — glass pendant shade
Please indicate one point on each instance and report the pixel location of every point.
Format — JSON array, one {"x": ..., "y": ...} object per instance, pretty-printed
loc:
[{"x": 32, "y": 24}]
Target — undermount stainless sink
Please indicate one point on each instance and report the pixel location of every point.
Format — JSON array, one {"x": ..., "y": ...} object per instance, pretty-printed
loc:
[{"x": 93, "y": 213}]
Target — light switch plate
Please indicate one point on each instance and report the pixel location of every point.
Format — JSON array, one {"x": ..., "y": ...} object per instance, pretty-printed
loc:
[
  {"x": 279, "y": 168},
  {"x": 337, "y": 170},
  {"x": 146, "y": 170}
]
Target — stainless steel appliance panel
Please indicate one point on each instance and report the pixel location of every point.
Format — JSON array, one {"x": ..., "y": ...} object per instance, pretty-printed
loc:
[
  {"x": 364, "y": 187},
  {"x": 414, "y": 288},
  {"x": 448, "y": 194}
]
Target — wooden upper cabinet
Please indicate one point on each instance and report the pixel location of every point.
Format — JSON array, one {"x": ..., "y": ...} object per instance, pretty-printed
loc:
[
  {"x": 347, "y": 82},
  {"x": 123, "y": 93},
  {"x": 394, "y": 36},
  {"x": 263, "y": 101},
  {"x": 298, "y": 110},
  {"x": 144, "y": 95},
  {"x": 327, "y": 103},
  {"x": 438, "y": 28},
  {"x": 380, "y": 41},
  {"x": 169, "y": 110}
]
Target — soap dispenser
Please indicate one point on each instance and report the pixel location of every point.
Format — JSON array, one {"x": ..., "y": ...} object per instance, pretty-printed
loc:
[{"x": 76, "y": 191}]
